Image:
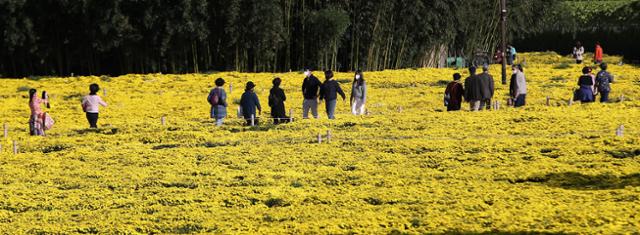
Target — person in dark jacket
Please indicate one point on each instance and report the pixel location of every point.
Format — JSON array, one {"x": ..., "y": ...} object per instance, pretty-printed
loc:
[
  {"x": 453, "y": 94},
  {"x": 218, "y": 109},
  {"x": 585, "y": 93},
  {"x": 603, "y": 83},
  {"x": 276, "y": 102},
  {"x": 472, "y": 90},
  {"x": 487, "y": 87},
  {"x": 310, "y": 88},
  {"x": 329, "y": 92},
  {"x": 249, "y": 102}
]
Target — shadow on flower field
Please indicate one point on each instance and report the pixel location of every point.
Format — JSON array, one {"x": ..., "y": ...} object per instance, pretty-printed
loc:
[{"x": 578, "y": 181}]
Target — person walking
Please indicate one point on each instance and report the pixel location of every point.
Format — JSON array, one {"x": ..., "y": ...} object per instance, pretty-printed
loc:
[
  {"x": 249, "y": 102},
  {"x": 218, "y": 100},
  {"x": 91, "y": 105},
  {"x": 453, "y": 94},
  {"x": 578, "y": 52},
  {"x": 599, "y": 52},
  {"x": 512, "y": 54},
  {"x": 329, "y": 92},
  {"x": 585, "y": 93},
  {"x": 37, "y": 118},
  {"x": 472, "y": 90},
  {"x": 310, "y": 88},
  {"x": 276, "y": 102},
  {"x": 358, "y": 97},
  {"x": 603, "y": 83},
  {"x": 487, "y": 87},
  {"x": 518, "y": 86}
]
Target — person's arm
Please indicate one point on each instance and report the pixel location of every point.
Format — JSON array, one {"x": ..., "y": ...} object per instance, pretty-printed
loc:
[
  {"x": 223, "y": 97},
  {"x": 344, "y": 97},
  {"x": 101, "y": 102},
  {"x": 364, "y": 92},
  {"x": 255, "y": 97},
  {"x": 321, "y": 92},
  {"x": 284, "y": 96},
  {"x": 353, "y": 88},
  {"x": 492, "y": 85},
  {"x": 304, "y": 85}
]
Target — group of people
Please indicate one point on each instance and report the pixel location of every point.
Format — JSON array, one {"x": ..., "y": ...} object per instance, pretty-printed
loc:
[
  {"x": 40, "y": 121},
  {"x": 478, "y": 89},
  {"x": 593, "y": 85},
  {"x": 313, "y": 91},
  {"x": 578, "y": 53}
]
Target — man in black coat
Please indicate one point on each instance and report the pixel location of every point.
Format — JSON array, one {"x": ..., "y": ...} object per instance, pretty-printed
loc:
[
  {"x": 310, "y": 88},
  {"x": 487, "y": 87},
  {"x": 472, "y": 90}
]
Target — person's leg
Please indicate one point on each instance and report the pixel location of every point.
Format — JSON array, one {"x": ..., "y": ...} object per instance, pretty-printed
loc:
[
  {"x": 305, "y": 108},
  {"x": 604, "y": 96},
  {"x": 354, "y": 107},
  {"x": 93, "y": 120},
  {"x": 476, "y": 105},
  {"x": 314, "y": 108},
  {"x": 487, "y": 104},
  {"x": 331, "y": 109},
  {"x": 361, "y": 109}
]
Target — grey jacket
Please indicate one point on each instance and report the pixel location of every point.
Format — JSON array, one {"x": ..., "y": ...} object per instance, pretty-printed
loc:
[{"x": 359, "y": 92}]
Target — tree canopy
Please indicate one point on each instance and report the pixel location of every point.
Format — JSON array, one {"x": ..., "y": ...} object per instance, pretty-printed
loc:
[{"x": 60, "y": 37}]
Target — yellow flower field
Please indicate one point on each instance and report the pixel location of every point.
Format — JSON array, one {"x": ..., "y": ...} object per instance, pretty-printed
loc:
[{"x": 407, "y": 167}]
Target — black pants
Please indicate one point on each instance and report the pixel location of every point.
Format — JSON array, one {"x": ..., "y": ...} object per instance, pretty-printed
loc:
[
  {"x": 453, "y": 107},
  {"x": 93, "y": 120}
]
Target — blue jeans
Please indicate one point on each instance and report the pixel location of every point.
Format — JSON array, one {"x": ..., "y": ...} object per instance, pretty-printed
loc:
[
  {"x": 520, "y": 101},
  {"x": 604, "y": 96},
  {"x": 331, "y": 108}
]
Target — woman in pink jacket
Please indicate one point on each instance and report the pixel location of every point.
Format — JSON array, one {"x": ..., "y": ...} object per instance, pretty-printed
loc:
[
  {"x": 91, "y": 105},
  {"x": 36, "y": 122}
]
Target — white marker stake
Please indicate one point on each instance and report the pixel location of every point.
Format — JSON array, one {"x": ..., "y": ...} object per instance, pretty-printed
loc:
[
  {"x": 163, "y": 120},
  {"x": 15, "y": 147},
  {"x": 104, "y": 92},
  {"x": 290, "y": 115},
  {"x": 620, "y": 131},
  {"x": 328, "y": 136},
  {"x": 319, "y": 138}
]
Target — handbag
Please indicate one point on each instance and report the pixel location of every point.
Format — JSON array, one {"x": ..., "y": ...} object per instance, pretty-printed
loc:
[{"x": 48, "y": 121}]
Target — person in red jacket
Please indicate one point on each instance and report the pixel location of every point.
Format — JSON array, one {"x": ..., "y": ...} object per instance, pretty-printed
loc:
[
  {"x": 453, "y": 94},
  {"x": 598, "y": 54}
]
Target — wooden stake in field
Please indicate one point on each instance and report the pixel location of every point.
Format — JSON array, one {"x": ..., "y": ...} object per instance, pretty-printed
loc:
[
  {"x": 6, "y": 130},
  {"x": 548, "y": 101},
  {"x": 163, "y": 120},
  {"x": 570, "y": 102},
  {"x": 621, "y": 98},
  {"x": 319, "y": 138},
  {"x": 15, "y": 147},
  {"x": 497, "y": 105},
  {"x": 290, "y": 115},
  {"x": 104, "y": 92},
  {"x": 620, "y": 131},
  {"x": 328, "y": 136},
  {"x": 230, "y": 88}
]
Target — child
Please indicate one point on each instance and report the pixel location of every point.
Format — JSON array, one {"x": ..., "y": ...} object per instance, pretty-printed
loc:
[{"x": 91, "y": 105}]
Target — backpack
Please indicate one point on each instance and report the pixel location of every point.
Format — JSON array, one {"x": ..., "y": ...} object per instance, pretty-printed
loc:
[
  {"x": 602, "y": 81},
  {"x": 214, "y": 98},
  {"x": 273, "y": 99}
]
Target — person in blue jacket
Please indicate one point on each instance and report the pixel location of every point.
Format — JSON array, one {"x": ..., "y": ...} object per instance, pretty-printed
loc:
[{"x": 249, "y": 102}]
